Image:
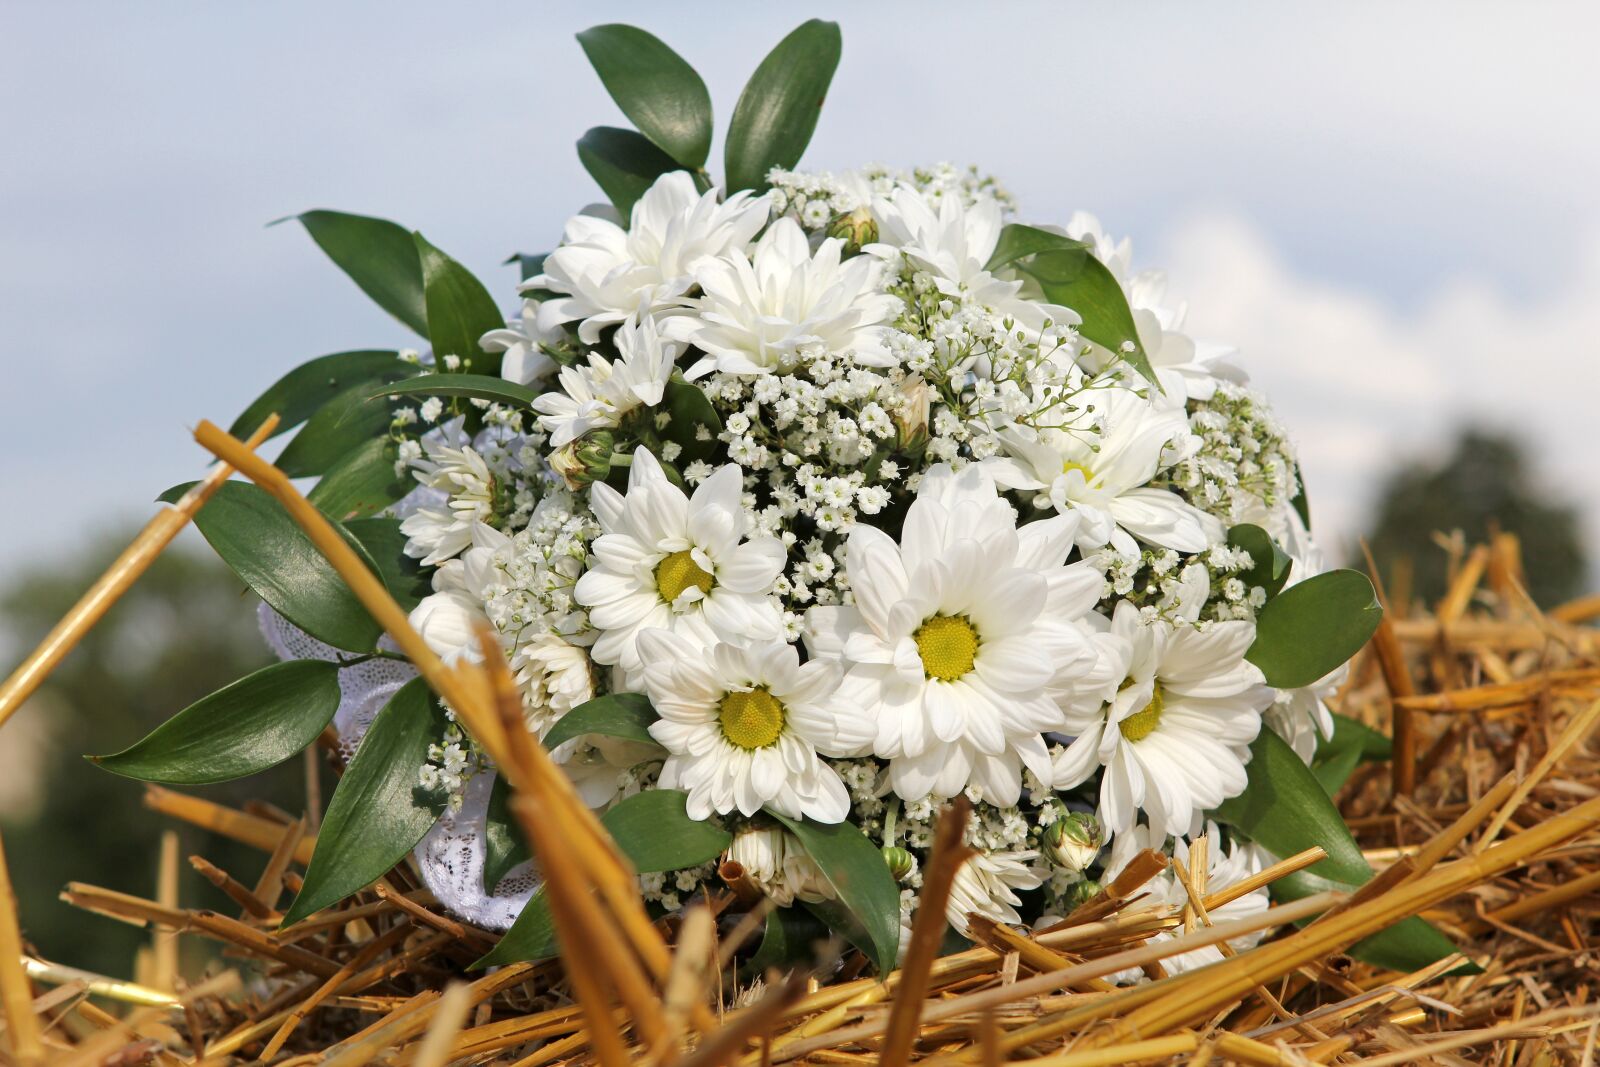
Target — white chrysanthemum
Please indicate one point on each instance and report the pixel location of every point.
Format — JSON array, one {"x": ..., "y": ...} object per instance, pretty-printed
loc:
[
  {"x": 1186, "y": 367},
  {"x": 599, "y": 394},
  {"x": 463, "y": 488},
  {"x": 557, "y": 674},
  {"x": 448, "y": 618},
  {"x": 952, "y": 241},
  {"x": 597, "y": 765},
  {"x": 1101, "y": 471},
  {"x": 987, "y": 884},
  {"x": 606, "y": 273},
  {"x": 1175, "y": 740},
  {"x": 667, "y": 561},
  {"x": 758, "y": 313},
  {"x": 521, "y": 341},
  {"x": 961, "y": 638},
  {"x": 744, "y": 725},
  {"x": 1222, "y": 869},
  {"x": 780, "y": 867}
]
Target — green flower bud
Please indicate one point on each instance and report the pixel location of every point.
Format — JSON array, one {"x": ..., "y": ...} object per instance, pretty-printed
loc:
[
  {"x": 1079, "y": 893},
  {"x": 855, "y": 229},
  {"x": 911, "y": 416},
  {"x": 1072, "y": 841},
  {"x": 900, "y": 862},
  {"x": 585, "y": 461}
]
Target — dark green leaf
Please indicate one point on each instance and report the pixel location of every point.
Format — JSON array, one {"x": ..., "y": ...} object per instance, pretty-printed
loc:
[
  {"x": 1350, "y": 734},
  {"x": 654, "y": 831},
  {"x": 1271, "y": 568},
  {"x": 261, "y": 543},
  {"x": 624, "y": 164},
  {"x": 691, "y": 411},
  {"x": 778, "y": 110},
  {"x": 503, "y": 845},
  {"x": 626, "y": 715},
  {"x": 1069, "y": 274},
  {"x": 1333, "y": 772},
  {"x": 363, "y": 483},
  {"x": 479, "y": 386},
  {"x": 1310, "y": 628},
  {"x": 855, "y": 869},
  {"x": 1286, "y": 810},
  {"x": 460, "y": 310},
  {"x": 659, "y": 92},
  {"x": 297, "y": 395},
  {"x": 342, "y": 425},
  {"x": 1302, "y": 506},
  {"x": 791, "y": 938},
  {"x": 379, "y": 256},
  {"x": 255, "y": 723},
  {"x": 378, "y": 812},
  {"x": 529, "y": 266},
  {"x": 386, "y": 546}
]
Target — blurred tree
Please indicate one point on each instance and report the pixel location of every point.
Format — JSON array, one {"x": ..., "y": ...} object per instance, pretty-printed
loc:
[
  {"x": 185, "y": 629},
  {"x": 1486, "y": 484}
]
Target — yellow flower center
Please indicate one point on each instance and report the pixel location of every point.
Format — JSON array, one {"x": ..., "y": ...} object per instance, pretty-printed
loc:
[
  {"x": 678, "y": 572},
  {"x": 1142, "y": 723},
  {"x": 947, "y": 644},
  {"x": 751, "y": 720},
  {"x": 1068, "y": 466}
]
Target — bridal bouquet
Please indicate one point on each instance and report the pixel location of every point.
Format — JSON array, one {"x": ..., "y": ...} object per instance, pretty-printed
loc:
[{"x": 800, "y": 502}]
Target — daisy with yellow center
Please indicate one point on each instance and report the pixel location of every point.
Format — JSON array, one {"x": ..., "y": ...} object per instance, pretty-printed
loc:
[
  {"x": 1175, "y": 737},
  {"x": 964, "y": 638},
  {"x": 666, "y": 560},
  {"x": 745, "y": 726}
]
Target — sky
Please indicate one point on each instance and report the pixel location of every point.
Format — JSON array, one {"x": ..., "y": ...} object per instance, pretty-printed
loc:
[{"x": 1391, "y": 209}]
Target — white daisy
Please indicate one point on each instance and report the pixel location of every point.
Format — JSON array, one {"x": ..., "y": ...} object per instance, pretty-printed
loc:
[
  {"x": 1101, "y": 471},
  {"x": 521, "y": 340},
  {"x": 606, "y": 273},
  {"x": 673, "y": 562},
  {"x": 952, "y": 241},
  {"x": 462, "y": 497},
  {"x": 758, "y": 313},
  {"x": 1221, "y": 870},
  {"x": 1175, "y": 740},
  {"x": 987, "y": 883},
  {"x": 744, "y": 724},
  {"x": 780, "y": 867},
  {"x": 961, "y": 637},
  {"x": 598, "y": 395},
  {"x": 448, "y": 618}
]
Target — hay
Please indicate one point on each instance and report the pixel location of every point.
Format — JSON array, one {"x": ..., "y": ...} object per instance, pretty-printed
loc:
[{"x": 1487, "y": 822}]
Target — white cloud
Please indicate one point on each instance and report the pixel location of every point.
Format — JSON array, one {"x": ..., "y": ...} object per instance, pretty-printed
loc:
[{"x": 1361, "y": 383}]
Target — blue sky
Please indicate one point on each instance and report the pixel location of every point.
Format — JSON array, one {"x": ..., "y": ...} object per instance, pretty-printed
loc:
[{"x": 1392, "y": 208}]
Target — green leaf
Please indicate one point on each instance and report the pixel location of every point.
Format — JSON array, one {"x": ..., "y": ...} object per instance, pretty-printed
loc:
[
  {"x": 626, "y": 715},
  {"x": 460, "y": 310},
  {"x": 854, "y": 867},
  {"x": 624, "y": 164},
  {"x": 1311, "y": 628},
  {"x": 528, "y": 266},
  {"x": 339, "y": 427},
  {"x": 654, "y": 831},
  {"x": 386, "y": 546},
  {"x": 363, "y": 483},
  {"x": 1348, "y": 733},
  {"x": 379, "y": 256},
  {"x": 790, "y": 938},
  {"x": 1286, "y": 810},
  {"x": 504, "y": 846},
  {"x": 297, "y": 395},
  {"x": 261, "y": 543},
  {"x": 1069, "y": 274},
  {"x": 691, "y": 409},
  {"x": 1333, "y": 772},
  {"x": 778, "y": 110},
  {"x": 255, "y": 723},
  {"x": 1272, "y": 564},
  {"x": 1302, "y": 506},
  {"x": 476, "y": 386},
  {"x": 378, "y": 812},
  {"x": 653, "y": 85}
]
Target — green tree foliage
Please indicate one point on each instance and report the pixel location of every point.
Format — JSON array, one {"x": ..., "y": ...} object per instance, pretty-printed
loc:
[
  {"x": 184, "y": 630},
  {"x": 1486, "y": 484}
]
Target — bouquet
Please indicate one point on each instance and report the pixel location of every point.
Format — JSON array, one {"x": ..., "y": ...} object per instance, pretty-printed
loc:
[{"x": 800, "y": 504}]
